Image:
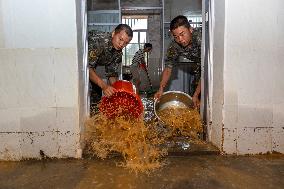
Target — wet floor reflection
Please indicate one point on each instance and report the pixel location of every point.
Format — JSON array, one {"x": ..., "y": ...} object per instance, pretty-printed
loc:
[{"x": 206, "y": 171}]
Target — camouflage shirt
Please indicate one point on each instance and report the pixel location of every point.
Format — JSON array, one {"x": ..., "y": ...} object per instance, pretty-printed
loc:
[
  {"x": 102, "y": 53},
  {"x": 191, "y": 52}
]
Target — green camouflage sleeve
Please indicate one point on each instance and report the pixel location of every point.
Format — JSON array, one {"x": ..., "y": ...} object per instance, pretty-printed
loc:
[
  {"x": 94, "y": 48},
  {"x": 113, "y": 68},
  {"x": 197, "y": 36},
  {"x": 171, "y": 56}
]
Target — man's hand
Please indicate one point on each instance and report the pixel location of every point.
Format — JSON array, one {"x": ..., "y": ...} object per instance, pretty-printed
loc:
[
  {"x": 108, "y": 90},
  {"x": 159, "y": 93},
  {"x": 166, "y": 74},
  {"x": 196, "y": 101}
]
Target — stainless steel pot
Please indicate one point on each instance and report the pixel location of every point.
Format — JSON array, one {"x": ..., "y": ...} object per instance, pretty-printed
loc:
[{"x": 173, "y": 99}]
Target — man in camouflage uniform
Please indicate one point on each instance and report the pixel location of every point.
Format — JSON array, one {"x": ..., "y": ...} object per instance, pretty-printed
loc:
[
  {"x": 105, "y": 49},
  {"x": 185, "y": 47}
]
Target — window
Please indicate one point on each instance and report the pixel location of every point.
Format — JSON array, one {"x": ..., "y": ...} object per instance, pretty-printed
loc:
[
  {"x": 195, "y": 21},
  {"x": 139, "y": 27}
]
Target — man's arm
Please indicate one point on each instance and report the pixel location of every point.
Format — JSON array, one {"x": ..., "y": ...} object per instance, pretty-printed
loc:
[
  {"x": 107, "y": 89},
  {"x": 171, "y": 57},
  {"x": 165, "y": 78},
  {"x": 95, "y": 50},
  {"x": 195, "y": 97}
]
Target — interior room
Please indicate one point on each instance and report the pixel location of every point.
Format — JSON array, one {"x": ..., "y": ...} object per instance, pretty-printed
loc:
[{"x": 45, "y": 92}]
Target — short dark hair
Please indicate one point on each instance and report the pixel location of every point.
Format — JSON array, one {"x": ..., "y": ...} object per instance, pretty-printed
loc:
[
  {"x": 124, "y": 27},
  {"x": 147, "y": 45},
  {"x": 179, "y": 21}
]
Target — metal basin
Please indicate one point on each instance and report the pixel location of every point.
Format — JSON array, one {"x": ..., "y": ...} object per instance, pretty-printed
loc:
[{"x": 173, "y": 99}]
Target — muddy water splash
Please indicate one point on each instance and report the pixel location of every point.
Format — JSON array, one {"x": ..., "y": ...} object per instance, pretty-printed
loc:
[
  {"x": 130, "y": 137},
  {"x": 182, "y": 121},
  {"x": 140, "y": 141}
]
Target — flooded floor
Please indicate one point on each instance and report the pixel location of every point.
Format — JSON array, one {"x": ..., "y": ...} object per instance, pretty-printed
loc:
[
  {"x": 189, "y": 164},
  {"x": 144, "y": 141},
  {"x": 193, "y": 171}
]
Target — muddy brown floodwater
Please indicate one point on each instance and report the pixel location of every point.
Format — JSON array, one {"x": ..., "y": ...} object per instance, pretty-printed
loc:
[
  {"x": 140, "y": 141},
  {"x": 183, "y": 121},
  {"x": 131, "y": 138}
]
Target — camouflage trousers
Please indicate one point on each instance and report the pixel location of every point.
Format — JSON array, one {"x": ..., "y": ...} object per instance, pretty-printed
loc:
[{"x": 95, "y": 97}]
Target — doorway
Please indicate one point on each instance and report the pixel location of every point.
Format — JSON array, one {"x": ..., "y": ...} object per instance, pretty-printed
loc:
[{"x": 157, "y": 15}]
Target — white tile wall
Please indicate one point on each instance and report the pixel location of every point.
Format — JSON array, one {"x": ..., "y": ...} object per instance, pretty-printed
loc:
[
  {"x": 278, "y": 115},
  {"x": 231, "y": 95},
  {"x": 34, "y": 77},
  {"x": 66, "y": 77},
  {"x": 215, "y": 135},
  {"x": 68, "y": 144},
  {"x": 9, "y": 91},
  {"x": 253, "y": 76},
  {"x": 277, "y": 139},
  {"x": 278, "y": 69},
  {"x": 231, "y": 116},
  {"x": 10, "y": 120},
  {"x": 10, "y": 149},
  {"x": 32, "y": 142},
  {"x": 254, "y": 81},
  {"x": 67, "y": 120},
  {"x": 63, "y": 31},
  {"x": 38, "y": 79},
  {"x": 255, "y": 115},
  {"x": 38, "y": 120},
  {"x": 51, "y": 23},
  {"x": 254, "y": 140},
  {"x": 230, "y": 140}
]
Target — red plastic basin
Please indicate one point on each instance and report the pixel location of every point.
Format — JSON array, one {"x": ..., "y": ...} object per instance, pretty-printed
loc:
[{"x": 125, "y": 102}]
